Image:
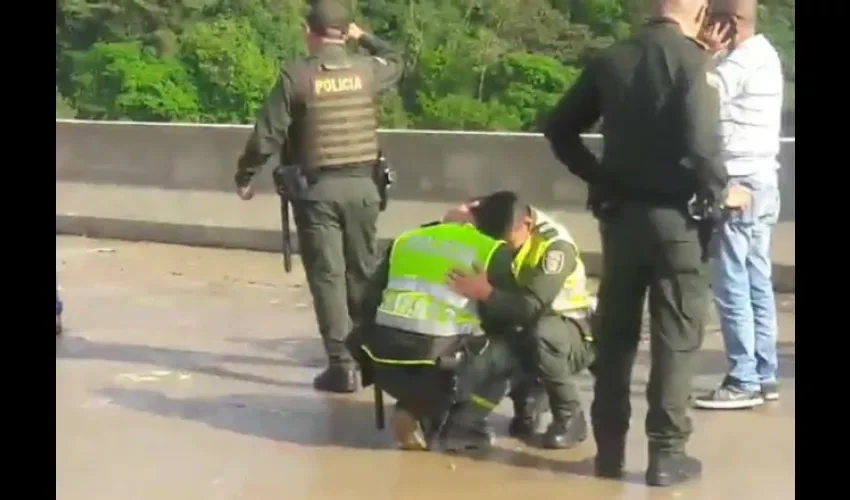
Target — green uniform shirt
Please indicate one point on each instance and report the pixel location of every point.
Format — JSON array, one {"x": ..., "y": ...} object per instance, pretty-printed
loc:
[
  {"x": 522, "y": 305},
  {"x": 275, "y": 118},
  {"x": 660, "y": 120}
]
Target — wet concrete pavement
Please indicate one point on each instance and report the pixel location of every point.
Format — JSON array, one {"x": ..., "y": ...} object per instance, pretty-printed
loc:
[{"x": 185, "y": 374}]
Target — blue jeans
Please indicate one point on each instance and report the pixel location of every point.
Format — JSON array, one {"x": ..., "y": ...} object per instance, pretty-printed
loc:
[{"x": 743, "y": 290}]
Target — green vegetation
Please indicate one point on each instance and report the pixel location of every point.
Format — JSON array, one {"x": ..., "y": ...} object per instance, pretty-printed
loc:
[{"x": 471, "y": 64}]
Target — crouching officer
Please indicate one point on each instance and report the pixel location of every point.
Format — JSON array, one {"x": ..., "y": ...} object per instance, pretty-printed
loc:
[
  {"x": 417, "y": 322},
  {"x": 551, "y": 309},
  {"x": 321, "y": 118}
]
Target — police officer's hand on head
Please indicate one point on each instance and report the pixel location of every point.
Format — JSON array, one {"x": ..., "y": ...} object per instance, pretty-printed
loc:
[
  {"x": 245, "y": 192},
  {"x": 328, "y": 21},
  {"x": 354, "y": 32},
  {"x": 462, "y": 213}
]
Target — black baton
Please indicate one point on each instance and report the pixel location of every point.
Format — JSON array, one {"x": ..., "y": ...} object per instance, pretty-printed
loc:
[{"x": 286, "y": 235}]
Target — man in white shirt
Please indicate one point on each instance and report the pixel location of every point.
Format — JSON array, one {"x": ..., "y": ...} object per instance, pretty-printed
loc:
[{"x": 749, "y": 79}]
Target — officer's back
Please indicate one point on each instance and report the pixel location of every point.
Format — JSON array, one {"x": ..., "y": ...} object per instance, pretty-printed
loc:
[
  {"x": 334, "y": 119},
  {"x": 321, "y": 117},
  {"x": 647, "y": 143}
]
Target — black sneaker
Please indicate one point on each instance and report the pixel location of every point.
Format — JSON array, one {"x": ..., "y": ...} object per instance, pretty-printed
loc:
[
  {"x": 770, "y": 391},
  {"x": 729, "y": 397},
  {"x": 669, "y": 470}
]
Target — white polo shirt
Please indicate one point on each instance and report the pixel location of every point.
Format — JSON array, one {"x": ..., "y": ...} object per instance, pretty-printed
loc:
[{"x": 750, "y": 82}]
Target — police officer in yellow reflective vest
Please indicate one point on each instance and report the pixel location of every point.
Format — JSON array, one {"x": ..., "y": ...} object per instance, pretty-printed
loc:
[
  {"x": 418, "y": 320},
  {"x": 551, "y": 311}
]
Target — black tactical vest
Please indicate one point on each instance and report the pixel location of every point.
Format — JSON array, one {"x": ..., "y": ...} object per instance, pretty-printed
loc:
[{"x": 339, "y": 126}]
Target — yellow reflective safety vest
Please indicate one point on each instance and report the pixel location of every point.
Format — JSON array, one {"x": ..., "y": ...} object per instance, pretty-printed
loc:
[
  {"x": 417, "y": 298},
  {"x": 574, "y": 299}
]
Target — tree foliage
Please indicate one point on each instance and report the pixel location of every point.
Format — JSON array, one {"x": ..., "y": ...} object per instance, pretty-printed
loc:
[{"x": 470, "y": 64}]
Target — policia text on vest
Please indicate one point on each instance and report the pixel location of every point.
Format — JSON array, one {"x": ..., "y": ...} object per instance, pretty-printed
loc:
[
  {"x": 321, "y": 116},
  {"x": 332, "y": 85}
]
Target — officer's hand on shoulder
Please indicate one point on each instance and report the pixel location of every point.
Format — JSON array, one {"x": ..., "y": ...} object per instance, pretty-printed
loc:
[{"x": 472, "y": 285}]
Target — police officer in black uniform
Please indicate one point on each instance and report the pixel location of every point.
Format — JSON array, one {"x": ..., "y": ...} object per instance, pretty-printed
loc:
[
  {"x": 658, "y": 184},
  {"x": 321, "y": 116}
]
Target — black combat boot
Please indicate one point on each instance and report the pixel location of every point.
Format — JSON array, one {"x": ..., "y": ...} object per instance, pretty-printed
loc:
[
  {"x": 466, "y": 430},
  {"x": 521, "y": 427},
  {"x": 337, "y": 378},
  {"x": 459, "y": 437},
  {"x": 566, "y": 431},
  {"x": 610, "y": 455},
  {"x": 529, "y": 407},
  {"x": 522, "y": 424},
  {"x": 669, "y": 469}
]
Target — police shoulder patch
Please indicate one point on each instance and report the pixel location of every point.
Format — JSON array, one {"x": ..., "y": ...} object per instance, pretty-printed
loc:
[{"x": 553, "y": 261}]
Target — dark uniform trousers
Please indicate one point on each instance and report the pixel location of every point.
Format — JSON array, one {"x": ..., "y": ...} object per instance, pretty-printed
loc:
[
  {"x": 655, "y": 249},
  {"x": 554, "y": 351},
  {"x": 481, "y": 382},
  {"x": 336, "y": 220}
]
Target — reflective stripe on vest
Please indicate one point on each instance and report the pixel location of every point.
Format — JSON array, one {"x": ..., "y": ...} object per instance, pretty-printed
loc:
[
  {"x": 573, "y": 299},
  {"x": 416, "y": 298}
]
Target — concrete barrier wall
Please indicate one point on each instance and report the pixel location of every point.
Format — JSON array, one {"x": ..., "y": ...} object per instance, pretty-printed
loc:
[{"x": 174, "y": 182}]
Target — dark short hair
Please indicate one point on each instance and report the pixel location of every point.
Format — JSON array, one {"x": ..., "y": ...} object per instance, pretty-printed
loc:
[
  {"x": 499, "y": 212},
  {"x": 324, "y": 15}
]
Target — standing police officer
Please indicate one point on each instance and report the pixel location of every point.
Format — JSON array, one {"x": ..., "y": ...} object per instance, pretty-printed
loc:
[
  {"x": 321, "y": 116},
  {"x": 660, "y": 177}
]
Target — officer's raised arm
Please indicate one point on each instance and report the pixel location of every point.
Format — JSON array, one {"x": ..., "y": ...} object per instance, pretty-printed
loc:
[
  {"x": 269, "y": 134},
  {"x": 386, "y": 61}
]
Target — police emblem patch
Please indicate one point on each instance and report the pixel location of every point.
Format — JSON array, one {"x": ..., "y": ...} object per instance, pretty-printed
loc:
[{"x": 553, "y": 262}]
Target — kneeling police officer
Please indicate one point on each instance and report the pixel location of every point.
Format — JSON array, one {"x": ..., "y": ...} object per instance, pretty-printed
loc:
[
  {"x": 547, "y": 318},
  {"x": 418, "y": 322}
]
